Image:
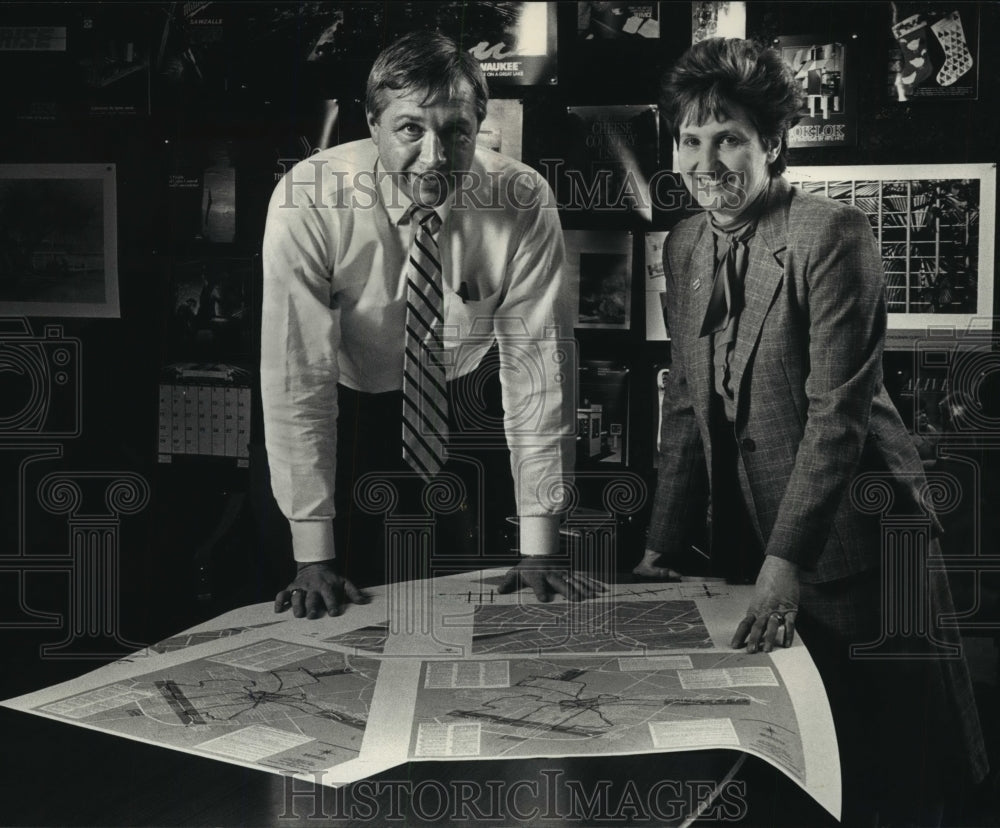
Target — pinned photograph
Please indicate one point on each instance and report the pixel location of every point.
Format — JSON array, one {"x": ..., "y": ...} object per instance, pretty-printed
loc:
[{"x": 58, "y": 240}]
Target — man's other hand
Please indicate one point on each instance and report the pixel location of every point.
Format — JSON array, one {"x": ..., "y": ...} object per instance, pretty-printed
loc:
[
  {"x": 547, "y": 577},
  {"x": 651, "y": 567},
  {"x": 317, "y": 590}
]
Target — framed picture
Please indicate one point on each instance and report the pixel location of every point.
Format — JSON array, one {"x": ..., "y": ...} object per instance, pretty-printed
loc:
[
  {"x": 935, "y": 226},
  {"x": 58, "y": 240},
  {"x": 601, "y": 261}
]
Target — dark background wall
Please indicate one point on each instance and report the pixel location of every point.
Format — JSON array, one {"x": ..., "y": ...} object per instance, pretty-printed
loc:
[{"x": 259, "y": 98}]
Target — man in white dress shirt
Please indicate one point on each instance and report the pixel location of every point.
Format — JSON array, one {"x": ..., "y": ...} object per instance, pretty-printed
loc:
[{"x": 338, "y": 255}]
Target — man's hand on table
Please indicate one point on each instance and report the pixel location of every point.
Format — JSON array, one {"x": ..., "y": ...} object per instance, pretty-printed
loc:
[
  {"x": 773, "y": 609},
  {"x": 547, "y": 577},
  {"x": 318, "y": 589}
]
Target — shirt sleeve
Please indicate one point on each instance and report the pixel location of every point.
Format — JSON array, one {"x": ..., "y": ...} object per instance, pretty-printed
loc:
[
  {"x": 534, "y": 330},
  {"x": 300, "y": 337}
]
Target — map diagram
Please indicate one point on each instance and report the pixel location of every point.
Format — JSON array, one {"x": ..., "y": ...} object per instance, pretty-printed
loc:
[
  {"x": 610, "y": 626},
  {"x": 272, "y": 703},
  {"x": 595, "y": 705},
  {"x": 370, "y": 639},
  {"x": 185, "y": 640},
  {"x": 643, "y": 669},
  {"x": 700, "y": 590}
]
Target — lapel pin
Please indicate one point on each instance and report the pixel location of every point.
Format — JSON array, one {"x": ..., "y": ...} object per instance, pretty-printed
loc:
[{"x": 696, "y": 284}]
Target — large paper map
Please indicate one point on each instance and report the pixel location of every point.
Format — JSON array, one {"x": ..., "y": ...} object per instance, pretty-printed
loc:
[
  {"x": 458, "y": 670},
  {"x": 272, "y": 703},
  {"x": 572, "y": 628}
]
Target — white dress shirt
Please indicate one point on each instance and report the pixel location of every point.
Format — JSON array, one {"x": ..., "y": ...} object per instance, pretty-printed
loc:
[{"x": 335, "y": 255}]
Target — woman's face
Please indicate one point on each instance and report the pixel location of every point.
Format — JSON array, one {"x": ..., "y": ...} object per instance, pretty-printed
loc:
[{"x": 725, "y": 164}]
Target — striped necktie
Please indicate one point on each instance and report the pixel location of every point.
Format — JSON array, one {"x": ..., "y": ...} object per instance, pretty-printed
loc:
[{"x": 425, "y": 401}]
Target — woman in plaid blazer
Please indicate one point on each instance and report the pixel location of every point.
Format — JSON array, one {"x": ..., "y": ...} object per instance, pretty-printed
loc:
[{"x": 775, "y": 305}]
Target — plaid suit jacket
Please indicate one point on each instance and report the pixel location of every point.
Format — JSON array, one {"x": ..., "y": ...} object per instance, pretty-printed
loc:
[{"x": 811, "y": 409}]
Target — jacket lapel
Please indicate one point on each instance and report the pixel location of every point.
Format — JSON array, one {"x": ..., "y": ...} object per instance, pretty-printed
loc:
[{"x": 764, "y": 276}]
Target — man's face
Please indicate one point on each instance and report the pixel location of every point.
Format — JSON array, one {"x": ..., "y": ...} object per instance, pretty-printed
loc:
[
  {"x": 428, "y": 143},
  {"x": 725, "y": 164}
]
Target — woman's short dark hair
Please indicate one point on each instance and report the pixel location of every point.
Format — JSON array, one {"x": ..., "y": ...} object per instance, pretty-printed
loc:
[
  {"x": 429, "y": 61},
  {"x": 716, "y": 74}
]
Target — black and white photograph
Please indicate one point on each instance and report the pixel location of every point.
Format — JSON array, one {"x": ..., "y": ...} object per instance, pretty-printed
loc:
[
  {"x": 503, "y": 127},
  {"x": 601, "y": 264},
  {"x": 718, "y": 18},
  {"x": 209, "y": 308},
  {"x": 603, "y": 414},
  {"x": 499, "y": 413},
  {"x": 655, "y": 284},
  {"x": 935, "y": 226},
  {"x": 617, "y": 20},
  {"x": 58, "y": 240}
]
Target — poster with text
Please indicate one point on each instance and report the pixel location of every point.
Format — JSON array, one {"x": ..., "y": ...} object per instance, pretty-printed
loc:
[
  {"x": 515, "y": 43},
  {"x": 611, "y": 153},
  {"x": 75, "y": 61},
  {"x": 936, "y": 53},
  {"x": 201, "y": 191},
  {"x": 823, "y": 68}
]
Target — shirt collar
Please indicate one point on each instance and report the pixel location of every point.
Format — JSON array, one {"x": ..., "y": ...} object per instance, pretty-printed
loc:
[{"x": 397, "y": 204}]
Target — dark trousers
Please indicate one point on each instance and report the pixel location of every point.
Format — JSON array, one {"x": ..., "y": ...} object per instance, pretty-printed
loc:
[
  {"x": 381, "y": 502},
  {"x": 907, "y": 727},
  {"x": 736, "y": 551}
]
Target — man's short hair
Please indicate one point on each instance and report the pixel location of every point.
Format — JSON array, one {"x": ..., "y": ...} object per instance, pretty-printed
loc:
[
  {"x": 428, "y": 61},
  {"x": 716, "y": 74}
]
